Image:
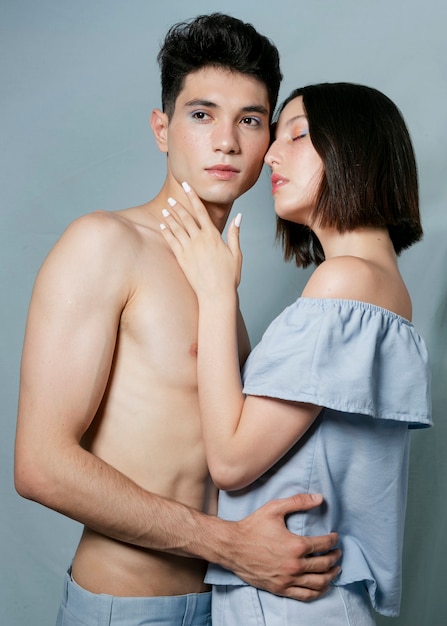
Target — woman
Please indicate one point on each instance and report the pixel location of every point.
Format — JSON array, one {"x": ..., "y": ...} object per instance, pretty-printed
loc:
[{"x": 339, "y": 378}]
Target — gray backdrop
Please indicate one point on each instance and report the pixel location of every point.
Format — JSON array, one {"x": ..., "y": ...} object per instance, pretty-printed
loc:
[{"x": 78, "y": 81}]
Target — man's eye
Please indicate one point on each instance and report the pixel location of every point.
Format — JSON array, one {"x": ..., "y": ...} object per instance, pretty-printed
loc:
[
  {"x": 250, "y": 121},
  {"x": 200, "y": 115}
]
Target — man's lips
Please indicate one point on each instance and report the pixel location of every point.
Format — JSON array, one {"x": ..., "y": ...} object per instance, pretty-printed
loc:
[
  {"x": 223, "y": 172},
  {"x": 278, "y": 181}
]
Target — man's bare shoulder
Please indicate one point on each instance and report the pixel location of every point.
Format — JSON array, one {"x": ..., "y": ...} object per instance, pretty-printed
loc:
[
  {"x": 104, "y": 234},
  {"x": 110, "y": 227}
]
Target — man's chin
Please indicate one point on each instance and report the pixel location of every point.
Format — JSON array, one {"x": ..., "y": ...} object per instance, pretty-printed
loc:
[
  {"x": 221, "y": 194},
  {"x": 219, "y": 199}
]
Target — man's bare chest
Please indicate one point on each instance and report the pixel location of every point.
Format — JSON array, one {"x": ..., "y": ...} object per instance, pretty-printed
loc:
[{"x": 159, "y": 324}]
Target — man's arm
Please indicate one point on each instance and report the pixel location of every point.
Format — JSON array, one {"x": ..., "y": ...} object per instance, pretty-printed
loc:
[
  {"x": 68, "y": 351},
  {"x": 263, "y": 552}
]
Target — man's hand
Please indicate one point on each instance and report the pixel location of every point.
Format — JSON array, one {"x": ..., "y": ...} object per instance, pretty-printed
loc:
[{"x": 267, "y": 555}]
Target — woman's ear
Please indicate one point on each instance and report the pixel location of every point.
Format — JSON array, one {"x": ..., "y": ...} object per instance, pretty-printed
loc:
[{"x": 159, "y": 124}]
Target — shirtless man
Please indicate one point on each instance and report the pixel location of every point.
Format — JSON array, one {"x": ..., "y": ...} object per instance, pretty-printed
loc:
[{"x": 108, "y": 427}]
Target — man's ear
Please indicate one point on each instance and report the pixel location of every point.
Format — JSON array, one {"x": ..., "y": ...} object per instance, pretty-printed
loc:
[{"x": 159, "y": 124}]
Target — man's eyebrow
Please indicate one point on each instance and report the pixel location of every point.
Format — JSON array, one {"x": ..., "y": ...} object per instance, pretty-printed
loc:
[
  {"x": 256, "y": 108},
  {"x": 252, "y": 108},
  {"x": 202, "y": 103}
]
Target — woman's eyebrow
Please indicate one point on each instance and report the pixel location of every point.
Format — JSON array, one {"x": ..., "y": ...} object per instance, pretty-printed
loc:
[{"x": 294, "y": 119}]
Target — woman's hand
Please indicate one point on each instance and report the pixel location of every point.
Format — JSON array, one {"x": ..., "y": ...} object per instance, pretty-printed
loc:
[{"x": 210, "y": 265}]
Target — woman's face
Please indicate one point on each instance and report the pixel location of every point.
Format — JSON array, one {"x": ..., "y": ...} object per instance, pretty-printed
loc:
[{"x": 296, "y": 166}]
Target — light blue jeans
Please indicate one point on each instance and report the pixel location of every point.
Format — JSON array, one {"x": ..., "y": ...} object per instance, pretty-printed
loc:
[
  {"x": 83, "y": 608},
  {"x": 247, "y": 606}
]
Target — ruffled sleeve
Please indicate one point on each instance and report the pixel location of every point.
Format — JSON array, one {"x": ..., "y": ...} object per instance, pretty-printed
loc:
[{"x": 344, "y": 355}]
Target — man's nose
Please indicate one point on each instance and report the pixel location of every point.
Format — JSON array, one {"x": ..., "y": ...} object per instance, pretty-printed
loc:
[{"x": 225, "y": 138}]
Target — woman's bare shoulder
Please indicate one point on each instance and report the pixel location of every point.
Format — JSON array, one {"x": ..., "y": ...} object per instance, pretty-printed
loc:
[
  {"x": 356, "y": 278},
  {"x": 345, "y": 277}
]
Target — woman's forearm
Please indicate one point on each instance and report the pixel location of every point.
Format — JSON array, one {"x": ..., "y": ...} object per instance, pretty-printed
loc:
[{"x": 220, "y": 389}]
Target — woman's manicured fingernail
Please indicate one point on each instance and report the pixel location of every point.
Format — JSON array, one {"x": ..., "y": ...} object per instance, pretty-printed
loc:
[
  {"x": 186, "y": 187},
  {"x": 165, "y": 212},
  {"x": 238, "y": 220},
  {"x": 171, "y": 201},
  {"x": 162, "y": 226}
]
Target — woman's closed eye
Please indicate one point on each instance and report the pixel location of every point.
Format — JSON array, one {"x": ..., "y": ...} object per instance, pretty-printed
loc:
[{"x": 300, "y": 135}]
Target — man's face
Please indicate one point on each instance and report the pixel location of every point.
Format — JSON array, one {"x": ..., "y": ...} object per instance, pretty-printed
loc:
[{"x": 219, "y": 133}]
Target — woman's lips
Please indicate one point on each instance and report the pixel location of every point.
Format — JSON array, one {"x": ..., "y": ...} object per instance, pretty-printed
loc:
[{"x": 277, "y": 182}]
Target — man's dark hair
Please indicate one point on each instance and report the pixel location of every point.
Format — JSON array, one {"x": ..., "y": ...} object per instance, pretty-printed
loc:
[
  {"x": 221, "y": 41},
  {"x": 370, "y": 176}
]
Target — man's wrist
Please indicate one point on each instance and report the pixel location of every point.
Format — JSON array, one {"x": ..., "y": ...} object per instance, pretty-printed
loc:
[{"x": 213, "y": 541}]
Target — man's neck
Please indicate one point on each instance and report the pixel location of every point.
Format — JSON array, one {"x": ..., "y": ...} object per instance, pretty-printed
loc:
[{"x": 218, "y": 212}]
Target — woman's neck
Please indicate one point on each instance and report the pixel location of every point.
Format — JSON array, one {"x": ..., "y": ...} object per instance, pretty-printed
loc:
[{"x": 368, "y": 242}]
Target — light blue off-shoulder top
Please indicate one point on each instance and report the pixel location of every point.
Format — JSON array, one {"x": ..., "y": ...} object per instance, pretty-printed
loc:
[{"x": 369, "y": 370}]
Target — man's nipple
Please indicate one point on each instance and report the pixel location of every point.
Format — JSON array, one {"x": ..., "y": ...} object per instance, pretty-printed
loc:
[{"x": 194, "y": 348}]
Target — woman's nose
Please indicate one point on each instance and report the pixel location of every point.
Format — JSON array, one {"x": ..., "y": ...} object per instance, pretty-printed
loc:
[{"x": 270, "y": 158}]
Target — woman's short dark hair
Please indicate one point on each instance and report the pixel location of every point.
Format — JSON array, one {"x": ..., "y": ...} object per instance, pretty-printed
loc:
[
  {"x": 216, "y": 40},
  {"x": 370, "y": 176}
]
